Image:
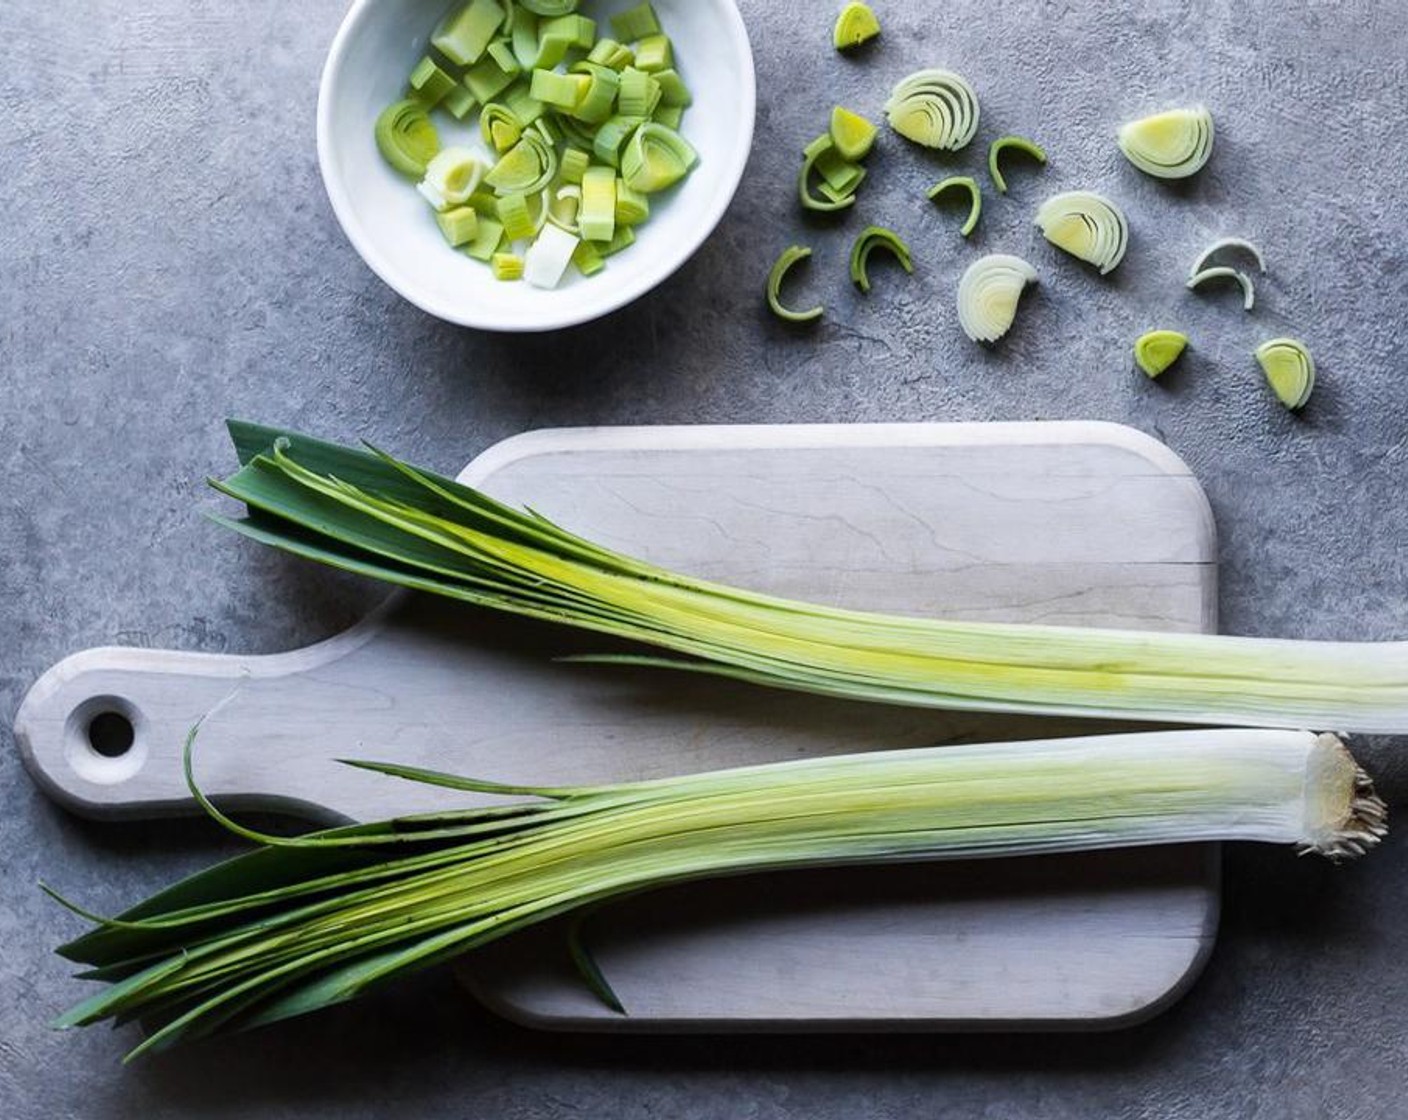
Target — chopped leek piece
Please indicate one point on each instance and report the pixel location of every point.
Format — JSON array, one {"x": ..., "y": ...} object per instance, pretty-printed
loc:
[
  {"x": 632, "y": 207},
  {"x": 506, "y": 266},
  {"x": 565, "y": 206},
  {"x": 572, "y": 163},
  {"x": 600, "y": 96},
  {"x": 625, "y": 237},
  {"x": 527, "y": 108},
  {"x": 487, "y": 79},
  {"x": 608, "y": 52},
  {"x": 1227, "y": 245},
  {"x": 550, "y": 8},
  {"x": 834, "y": 200},
  {"x": 1223, "y": 272},
  {"x": 655, "y": 157},
  {"x": 870, "y": 239},
  {"x": 429, "y": 83},
  {"x": 588, "y": 259},
  {"x": 524, "y": 40},
  {"x": 564, "y": 91},
  {"x": 841, "y": 174},
  {"x": 577, "y": 30},
  {"x": 1012, "y": 143},
  {"x": 528, "y": 166},
  {"x": 597, "y": 216},
  {"x": 459, "y": 102},
  {"x": 465, "y": 34},
  {"x": 1155, "y": 351},
  {"x": 1289, "y": 369},
  {"x": 988, "y": 295},
  {"x": 855, "y": 25},
  {"x": 1088, "y": 226},
  {"x": 653, "y": 53},
  {"x": 521, "y": 215},
  {"x": 546, "y": 260},
  {"x": 1169, "y": 145},
  {"x": 639, "y": 93},
  {"x": 851, "y": 134},
  {"x": 611, "y": 137},
  {"x": 635, "y": 23},
  {"x": 458, "y": 225},
  {"x": 502, "y": 53},
  {"x": 673, "y": 91},
  {"x": 499, "y": 127},
  {"x": 487, "y": 239},
  {"x": 671, "y": 116},
  {"x": 790, "y": 256},
  {"x": 406, "y": 137},
  {"x": 975, "y": 196},
  {"x": 935, "y": 108},
  {"x": 548, "y": 128},
  {"x": 485, "y": 202},
  {"x": 451, "y": 177}
]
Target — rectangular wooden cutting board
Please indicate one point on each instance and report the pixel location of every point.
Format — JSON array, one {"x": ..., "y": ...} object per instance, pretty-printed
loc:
[{"x": 1071, "y": 523}]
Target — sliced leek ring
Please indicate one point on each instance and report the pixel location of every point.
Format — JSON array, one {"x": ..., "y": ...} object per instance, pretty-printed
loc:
[
  {"x": 1155, "y": 351},
  {"x": 988, "y": 295},
  {"x": 1016, "y": 144},
  {"x": 499, "y": 126},
  {"x": 1223, "y": 272},
  {"x": 1169, "y": 145},
  {"x": 1088, "y": 226},
  {"x": 406, "y": 137},
  {"x": 1226, "y": 245},
  {"x": 451, "y": 177},
  {"x": 935, "y": 108},
  {"x": 855, "y": 25},
  {"x": 655, "y": 157},
  {"x": 1289, "y": 369},
  {"x": 975, "y": 194},
  {"x": 790, "y": 256},
  {"x": 526, "y": 168},
  {"x": 870, "y": 239}
]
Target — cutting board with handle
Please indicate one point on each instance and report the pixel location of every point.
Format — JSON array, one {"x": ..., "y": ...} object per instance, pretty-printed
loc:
[{"x": 1071, "y": 523}]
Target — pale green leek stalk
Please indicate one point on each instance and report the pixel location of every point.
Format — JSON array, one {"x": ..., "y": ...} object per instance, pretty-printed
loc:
[
  {"x": 365, "y": 512},
  {"x": 318, "y": 919}
]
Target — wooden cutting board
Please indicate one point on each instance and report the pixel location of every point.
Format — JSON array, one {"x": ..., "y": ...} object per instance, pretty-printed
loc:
[{"x": 1072, "y": 523}]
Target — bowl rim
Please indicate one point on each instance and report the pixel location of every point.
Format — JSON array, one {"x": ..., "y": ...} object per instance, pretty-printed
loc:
[{"x": 619, "y": 295}]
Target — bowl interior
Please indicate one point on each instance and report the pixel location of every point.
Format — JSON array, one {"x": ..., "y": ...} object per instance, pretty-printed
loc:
[{"x": 394, "y": 230}]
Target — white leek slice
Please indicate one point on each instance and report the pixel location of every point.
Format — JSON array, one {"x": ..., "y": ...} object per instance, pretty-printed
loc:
[
  {"x": 451, "y": 177},
  {"x": 1088, "y": 226},
  {"x": 547, "y": 258},
  {"x": 988, "y": 294},
  {"x": 1169, "y": 145},
  {"x": 935, "y": 108},
  {"x": 1289, "y": 369},
  {"x": 1226, "y": 245},
  {"x": 1223, "y": 272}
]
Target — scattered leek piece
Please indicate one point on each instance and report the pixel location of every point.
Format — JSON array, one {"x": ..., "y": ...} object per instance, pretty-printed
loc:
[
  {"x": 856, "y": 24},
  {"x": 975, "y": 195},
  {"x": 632, "y": 207},
  {"x": 306, "y": 922},
  {"x": 635, "y": 23},
  {"x": 870, "y": 239},
  {"x": 406, "y": 138},
  {"x": 429, "y": 83},
  {"x": 1015, "y": 144},
  {"x": 550, "y": 8},
  {"x": 655, "y": 157},
  {"x": 1224, "y": 246},
  {"x": 1223, "y": 272},
  {"x": 459, "y": 102},
  {"x": 1088, "y": 226},
  {"x": 639, "y": 93},
  {"x": 596, "y": 104},
  {"x": 1155, "y": 351},
  {"x": 1169, "y": 145},
  {"x": 488, "y": 77},
  {"x": 565, "y": 207},
  {"x": 369, "y": 514},
  {"x": 465, "y": 34},
  {"x": 988, "y": 293},
  {"x": 654, "y": 53},
  {"x": 458, "y": 225},
  {"x": 487, "y": 238},
  {"x": 625, "y": 236},
  {"x": 935, "y": 108},
  {"x": 547, "y": 258},
  {"x": 506, "y": 266},
  {"x": 852, "y": 135},
  {"x": 587, "y": 259},
  {"x": 671, "y": 116},
  {"x": 572, "y": 163},
  {"x": 562, "y": 91},
  {"x": 611, "y": 137},
  {"x": 608, "y": 52},
  {"x": 597, "y": 217},
  {"x": 451, "y": 177},
  {"x": 527, "y": 167},
  {"x": 790, "y": 256},
  {"x": 1289, "y": 369},
  {"x": 839, "y": 176},
  {"x": 499, "y": 127},
  {"x": 673, "y": 91},
  {"x": 522, "y": 215}
]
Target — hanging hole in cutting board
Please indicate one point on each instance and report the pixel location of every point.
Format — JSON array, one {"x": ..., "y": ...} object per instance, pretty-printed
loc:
[{"x": 104, "y": 742}]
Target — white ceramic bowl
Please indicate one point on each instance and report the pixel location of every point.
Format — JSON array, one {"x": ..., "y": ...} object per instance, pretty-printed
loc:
[{"x": 390, "y": 225}]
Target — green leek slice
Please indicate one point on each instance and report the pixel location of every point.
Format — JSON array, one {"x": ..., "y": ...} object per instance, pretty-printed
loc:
[
  {"x": 572, "y": 163},
  {"x": 856, "y": 24},
  {"x": 870, "y": 239},
  {"x": 852, "y": 135},
  {"x": 611, "y": 138},
  {"x": 1169, "y": 145},
  {"x": 934, "y": 108},
  {"x": 673, "y": 91},
  {"x": 608, "y": 52},
  {"x": 522, "y": 215},
  {"x": 565, "y": 206},
  {"x": 671, "y": 116},
  {"x": 655, "y": 157},
  {"x": 635, "y": 23},
  {"x": 1088, "y": 226},
  {"x": 451, "y": 177},
  {"x": 430, "y": 84},
  {"x": 654, "y": 53},
  {"x": 1289, "y": 369},
  {"x": 1155, "y": 351},
  {"x": 459, "y": 102},
  {"x": 523, "y": 38},
  {"x": 458, "y": 225},
  {"x": 576, "y": 30},
  {"x": 600, "y": 96},
  {"x": 1223, "y": 272},
  {"x": 988, "y": 295},
  {"x": 487, "y": 78},
  {"x": 975, "y": 196},
  {"x": 506, "y": 266},
  {"x": 499, "y": 127},
  {"x": 562, "y": 91},
  {"x": 587, "y": 258},
  {"x": 790, "y": 256},
  {"x": 465, "y": 34},
  {"x": 527, "y": 167},
  {"x": 639, "y": 93},
  {"x": 550, "y": 8},
  {"x": 597, "y": 217},
  {"x": 624, "y": 239},
  {"x": 632, "y": 207},
  {"x": 1015, "y": 144},
  {"x": 406, "y": 137},
  {"x": 521, "y": 102},
  {"x": 840, "y": 177},
  {"x": 1224, "y": 246},
  {"x": 487, "y": 238}
]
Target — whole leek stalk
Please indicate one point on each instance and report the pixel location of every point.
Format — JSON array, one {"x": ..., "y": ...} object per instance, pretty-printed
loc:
[
  {"x": 316, "y": 920},
  {"x": 366, "y": 512}
]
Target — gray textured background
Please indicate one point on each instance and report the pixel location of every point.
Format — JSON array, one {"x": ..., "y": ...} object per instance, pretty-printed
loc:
[{"x": 167, "y": 257}]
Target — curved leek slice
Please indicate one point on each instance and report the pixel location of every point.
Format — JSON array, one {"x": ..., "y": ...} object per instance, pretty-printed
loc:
[
  {"x": 1227, "y": 245},
  {"x": 406, "y": 138},
  {"x": 451, "y": 177},
  {"x": 855, "y": 25},
  {"x": 870, "y": 239},
  {"x": 988, "y": 294},
  {"x": 500, "y": 127},
  {"x": 523, "y": 215},
  {"x": 1289, "y": 369},
  {"x": 547, "y": 258},
  {"x": 819, "y": 150},
  {"x": 790, "y": 256},
  {"x": 1223, "y": 272},
  {"x": 1155, "y": 351},
  {"x": 655, "y": 157},
  {"x": 935, "y": 108},
  {"x": 975, "y": 207},
  {"x": 852, "y": 135},
  {"x": 525, "y": 168},
  {"x": 565, "y": 207},
  {"x": 506, "y": 266},
  {"x": 1088, "y": 226},
  {"x": 550, "y": 7},
  {"x": 1016, "y": 144},
  {"x": 1169, "y": 145}
]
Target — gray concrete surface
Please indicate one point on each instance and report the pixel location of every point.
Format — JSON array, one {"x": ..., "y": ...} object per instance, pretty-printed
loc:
[{"x": 167, "y": 258}]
